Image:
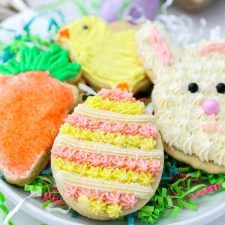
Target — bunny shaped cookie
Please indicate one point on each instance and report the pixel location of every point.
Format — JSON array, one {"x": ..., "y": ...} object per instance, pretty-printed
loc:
[{"x": 188, "y": 96}]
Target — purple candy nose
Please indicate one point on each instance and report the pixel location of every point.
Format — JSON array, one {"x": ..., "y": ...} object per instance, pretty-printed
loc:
[{"x": 210, "y": 107}]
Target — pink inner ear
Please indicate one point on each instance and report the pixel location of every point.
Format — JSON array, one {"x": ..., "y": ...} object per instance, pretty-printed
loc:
[
  {"x": 160, "y": 46},
  {"x": 212, "y": 47}
]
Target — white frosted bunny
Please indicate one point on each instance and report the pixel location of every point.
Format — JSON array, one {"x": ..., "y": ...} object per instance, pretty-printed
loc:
[{"x": 188, "y": 96}]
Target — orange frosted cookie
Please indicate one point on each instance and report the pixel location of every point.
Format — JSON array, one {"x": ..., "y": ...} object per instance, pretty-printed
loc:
[{"x": 32, "y": 108}]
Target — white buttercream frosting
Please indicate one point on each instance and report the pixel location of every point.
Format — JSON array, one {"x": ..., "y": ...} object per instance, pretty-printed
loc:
[{"x": 180, "y": 117}]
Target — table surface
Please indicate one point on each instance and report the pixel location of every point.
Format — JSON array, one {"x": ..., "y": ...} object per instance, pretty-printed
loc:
[{"x": 214, "y": 16}]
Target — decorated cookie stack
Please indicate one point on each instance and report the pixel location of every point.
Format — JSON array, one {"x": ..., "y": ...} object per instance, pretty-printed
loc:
[{"x": 107, "y": 158}]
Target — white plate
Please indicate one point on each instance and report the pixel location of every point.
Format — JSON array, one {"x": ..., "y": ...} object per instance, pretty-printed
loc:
[{"x": 210, "y": 208}]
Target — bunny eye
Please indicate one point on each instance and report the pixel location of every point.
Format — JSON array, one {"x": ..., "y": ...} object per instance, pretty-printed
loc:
[
  {"x": 193, "y": 87},
  {"x": 85, "y": 27},
  {"x": 220, "y": 88}
]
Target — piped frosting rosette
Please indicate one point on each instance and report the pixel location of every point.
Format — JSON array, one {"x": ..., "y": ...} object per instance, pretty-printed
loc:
[{"x": 107, "y": 159}]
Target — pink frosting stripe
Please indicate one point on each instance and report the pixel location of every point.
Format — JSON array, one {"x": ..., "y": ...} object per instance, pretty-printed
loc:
[
  {"x": 116, "y": 95},
  {"x": 143, "y": 130},
  {"x": 212, "y": 47},
  {"x": 160, "y": 46},
  {"x": 152, "y": 166},
  {"x": 127, "y": 201}
]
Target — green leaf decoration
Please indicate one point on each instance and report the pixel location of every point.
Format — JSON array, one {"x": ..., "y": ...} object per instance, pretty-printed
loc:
[{"x": 55, "y": 61}]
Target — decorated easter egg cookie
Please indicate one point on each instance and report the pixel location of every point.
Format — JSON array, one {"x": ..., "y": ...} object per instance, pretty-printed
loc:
[
  {"x": 108, "y": 58},
  {"x": 188, "y": 97},
  {"x": 107, "y": 159}
]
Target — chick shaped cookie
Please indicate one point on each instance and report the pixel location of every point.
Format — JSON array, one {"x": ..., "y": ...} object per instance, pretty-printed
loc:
[
  {"x": 33, "y": 105},
  {"x": 188, "y": 96},
  {"x": 107, "y": 159},
  {"x": 108, "y": 58}
]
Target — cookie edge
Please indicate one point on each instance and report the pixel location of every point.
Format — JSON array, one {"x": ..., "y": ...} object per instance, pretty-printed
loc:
[{"x": 193, "y": 161}]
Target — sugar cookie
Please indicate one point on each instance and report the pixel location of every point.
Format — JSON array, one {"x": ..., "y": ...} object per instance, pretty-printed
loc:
[
  {"x": 188, "y": 96},
  {"x": 108, "y": 157},
  {"x": 32, "y": 107},
  {"x": 108, "y": 58}
]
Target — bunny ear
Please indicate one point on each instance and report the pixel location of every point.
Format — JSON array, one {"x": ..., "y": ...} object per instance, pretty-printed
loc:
[
  {"x": 212, "y": 47},
  {"x": 155, "y": 49}
]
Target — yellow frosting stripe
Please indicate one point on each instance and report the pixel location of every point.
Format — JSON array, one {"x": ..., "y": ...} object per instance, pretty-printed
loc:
[
  {"x": 98, "y": 206},
  {"x": 109, "y": 138},
  {"x": 70, "y": 178},
  {"x": 108, "y": 173},
  {"x": 123, "y": 107},
  {"x": 107, "y": 115}
]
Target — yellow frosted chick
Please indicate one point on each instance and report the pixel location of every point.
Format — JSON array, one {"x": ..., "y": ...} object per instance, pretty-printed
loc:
[{"x": 108, "y": 58}]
